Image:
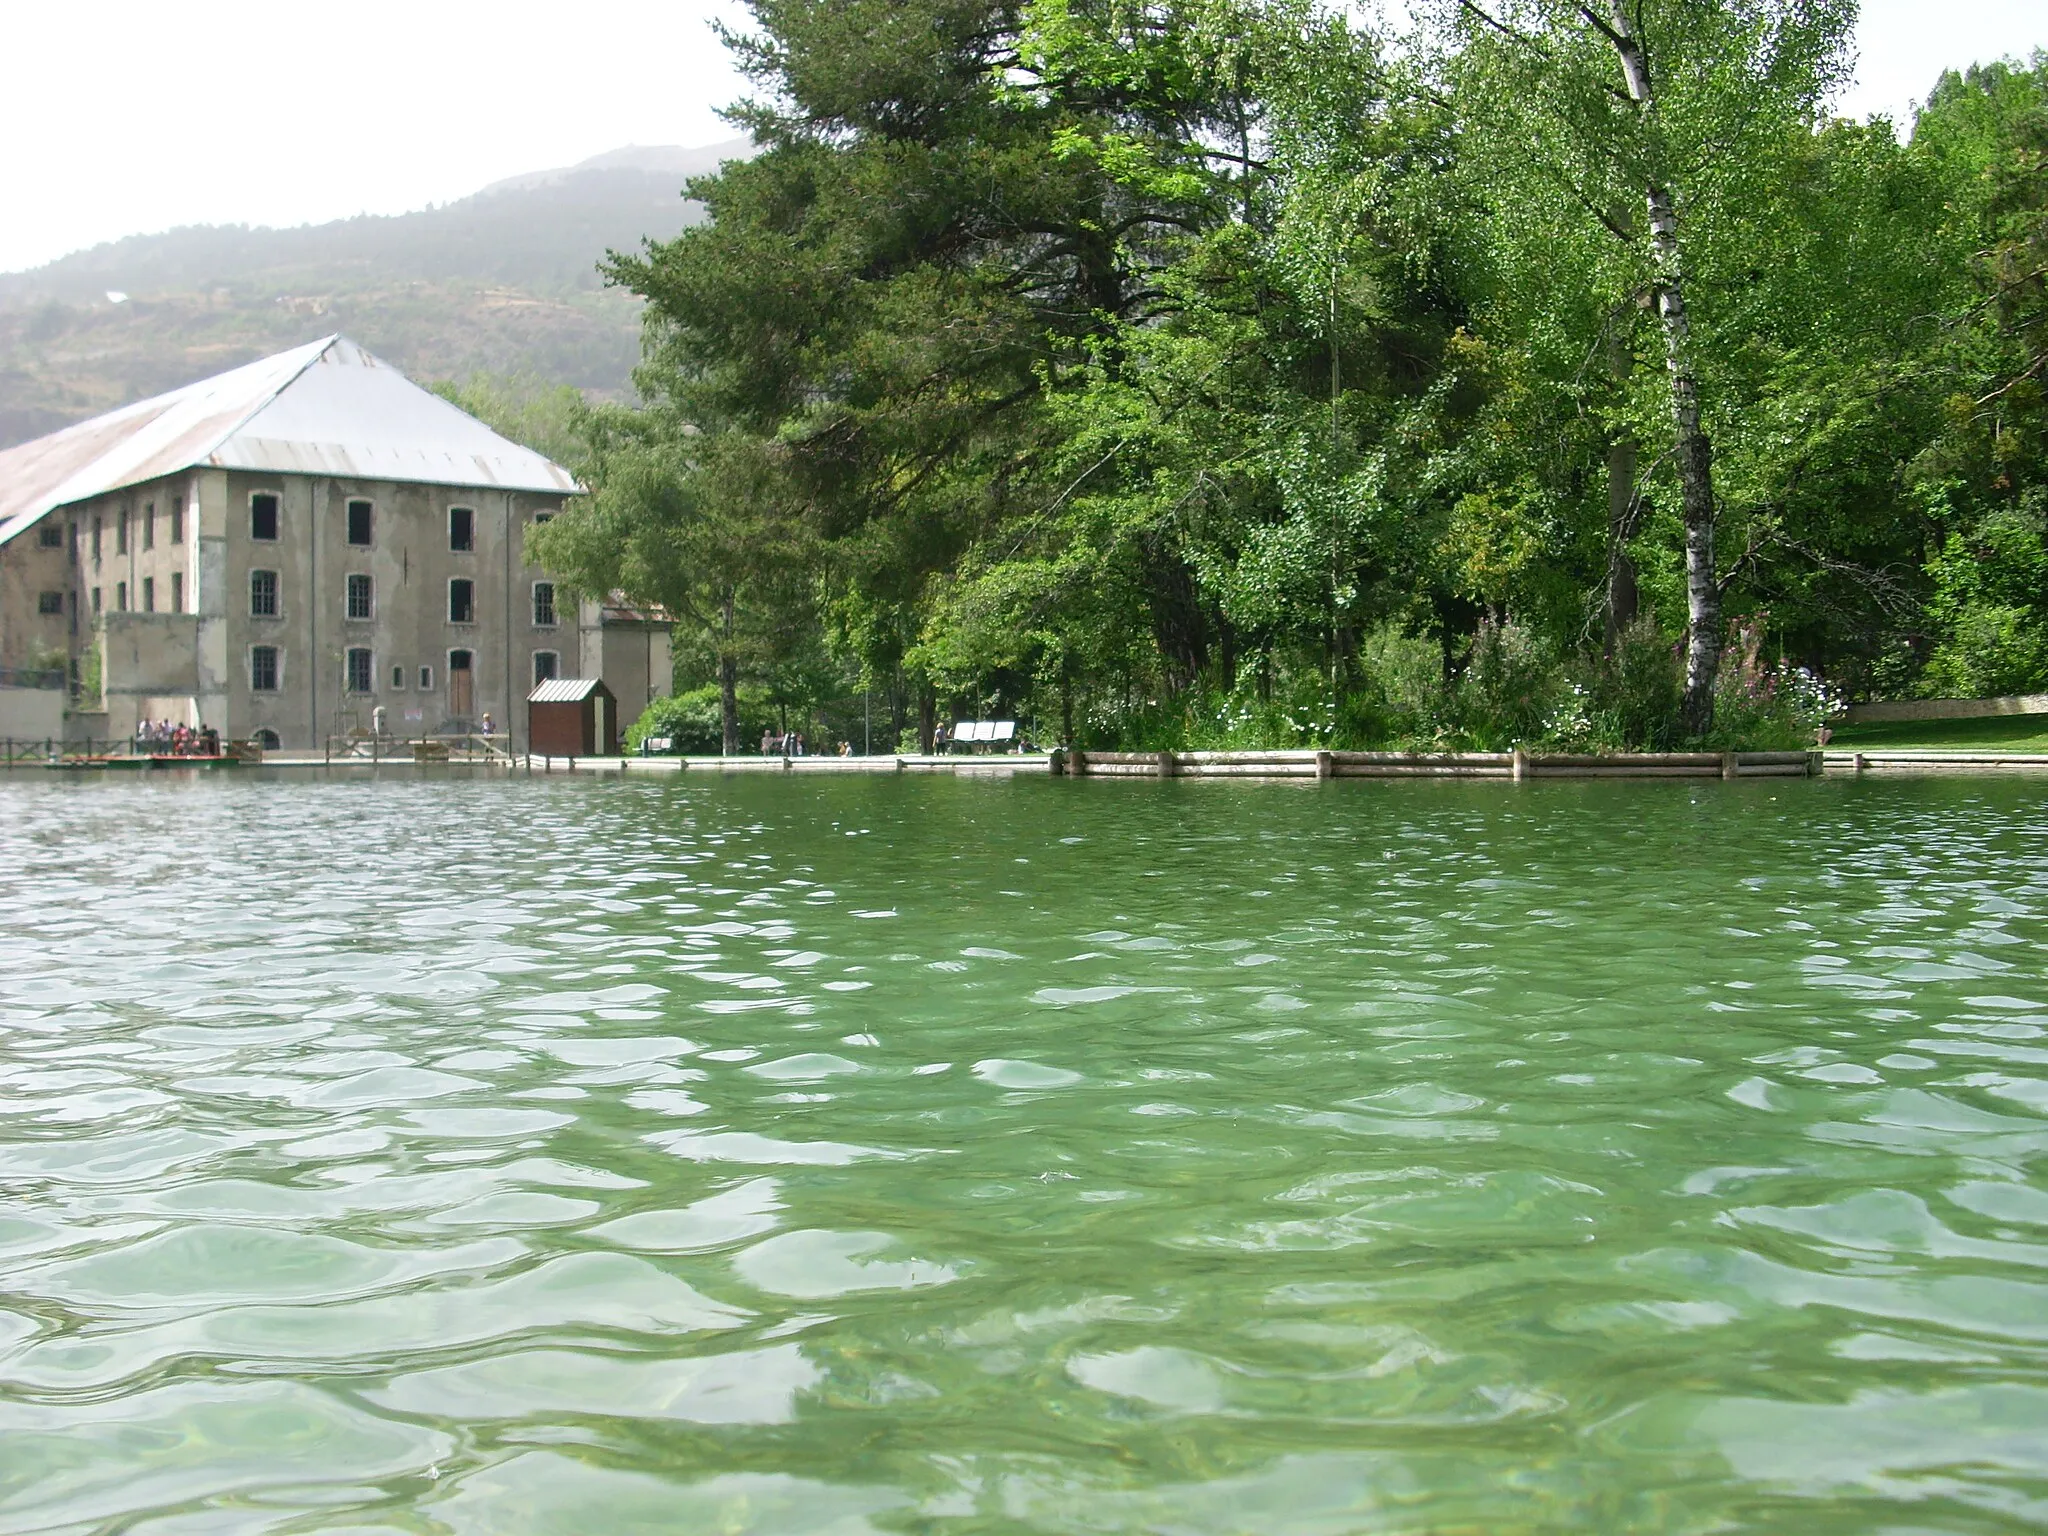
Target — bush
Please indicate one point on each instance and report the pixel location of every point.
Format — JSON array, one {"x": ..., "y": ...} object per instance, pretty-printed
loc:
[
  {"x": 694, "y": 722},
  {"x": 1991, "y": 649},
  {"x": 1510, "y": 687},
  {"x": 1403, "y": 696},
  {"x": 1761, "y": 709},
  {"x": 1641, "y": 688}
]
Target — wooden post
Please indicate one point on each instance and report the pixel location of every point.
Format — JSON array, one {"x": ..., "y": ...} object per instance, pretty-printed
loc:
[
  {"x": 1860, "y": 764},
  {"x": 1166, "y": 765},
  {"x": 1326, "y": 765},
  {"x": 1730, "y": 765},
  {"x": 1077, "y": 763},
  {"x": 1521, "y": 769}
]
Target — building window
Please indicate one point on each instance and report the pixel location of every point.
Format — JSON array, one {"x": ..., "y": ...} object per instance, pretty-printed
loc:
[
  {"x": 72, "y": 540},
  {"x": 426, "y": 678},
  {"x": 95, "y": 537},
  {"x": 49, "y": 602},
  {"x": 398, "y": 677},
  {"x": 121, "y": 596},
  {"x": 95, "y": 602},
  {"x": 263, "y": 594},
  {"x": 177, "y": 591},
  {"x": 461, "y": 528},
  {"x": 361, "y": 597},
  {"x": 149, "y": 525},
  {"x": 461, "y": 601},
  {"x": 149, "y": 594},
  {"x": 121, "y": 533},
  {"x": 268, "y": 740},
  {"x": 542, "y": 517},
  {"x": 359, "y": 522},
  {"x": 263, "y": 517},
  {"x": 358, "y": 675},
  {"x": 543, "y": 605},
  {"x": 263, "y": 668},
  {"x": 51, "y": 534},
  {"x": 177, "y": 519},
  {"x": 546, "y": 667}
]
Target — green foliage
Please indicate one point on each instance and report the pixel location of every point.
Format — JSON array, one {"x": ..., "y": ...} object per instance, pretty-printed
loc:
[
  {"x": 1638, "y": 689},
  {"x": 1208, "y": 374},
  {"x": 1990, "y": 650},
  {"x": 1990, "y": 603},
  {"x": 694, "y": 721},
  {"x": 1510, "y": 687},
  {"x": 1401, "y": 680}
]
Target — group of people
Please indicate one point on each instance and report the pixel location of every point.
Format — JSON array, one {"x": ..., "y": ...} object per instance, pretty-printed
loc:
[
  {"x": 788, "y": 744},
  {"x": 160, "y": 738}
]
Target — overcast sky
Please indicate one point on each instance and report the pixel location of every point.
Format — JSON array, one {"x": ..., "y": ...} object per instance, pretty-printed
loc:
[{"x": 127, "y": 116}]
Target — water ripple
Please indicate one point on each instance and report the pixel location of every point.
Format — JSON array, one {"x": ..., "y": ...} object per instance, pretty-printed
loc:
[{"x": 846, "y": 1155}]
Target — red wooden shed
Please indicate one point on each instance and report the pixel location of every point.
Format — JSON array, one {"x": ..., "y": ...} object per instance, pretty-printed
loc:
[{"x": 572, "y": 717}]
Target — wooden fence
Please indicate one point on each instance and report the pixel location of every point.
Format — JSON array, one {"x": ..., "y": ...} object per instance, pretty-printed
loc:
[
  {"x": 41, "y": 752},
  {"x": 457, "y": 747}
]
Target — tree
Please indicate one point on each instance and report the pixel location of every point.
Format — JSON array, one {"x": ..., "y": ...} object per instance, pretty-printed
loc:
[
  {"x": 1592, "y": 105},
  {"x": 688, "y": 521}
]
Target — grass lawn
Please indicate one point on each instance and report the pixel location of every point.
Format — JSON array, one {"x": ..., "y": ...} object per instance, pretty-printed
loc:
[{"x": 1998, "y": 733}]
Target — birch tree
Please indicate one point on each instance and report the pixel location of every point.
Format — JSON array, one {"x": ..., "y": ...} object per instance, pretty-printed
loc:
[{"x": 1588, "y": 108}]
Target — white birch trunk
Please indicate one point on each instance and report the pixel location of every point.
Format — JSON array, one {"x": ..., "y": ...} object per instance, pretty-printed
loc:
[{"x": 1693, "y": 451}]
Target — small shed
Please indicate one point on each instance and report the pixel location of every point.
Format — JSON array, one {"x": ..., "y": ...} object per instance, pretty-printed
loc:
[{"x": 572, "y": 717}]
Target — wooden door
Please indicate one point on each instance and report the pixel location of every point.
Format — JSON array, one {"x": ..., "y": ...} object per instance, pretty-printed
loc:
[{"x": 461, "y": 686}]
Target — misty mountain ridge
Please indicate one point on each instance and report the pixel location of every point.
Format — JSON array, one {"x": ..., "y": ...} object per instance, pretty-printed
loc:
[{"x": 503, "y": 281}]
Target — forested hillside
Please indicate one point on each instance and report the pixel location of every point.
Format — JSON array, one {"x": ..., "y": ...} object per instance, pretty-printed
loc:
[
  {"x": 1214, "y": 372},
  {"x": 503, "y": 282}
]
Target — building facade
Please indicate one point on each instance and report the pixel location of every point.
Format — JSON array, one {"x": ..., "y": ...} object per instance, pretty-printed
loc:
[{"x": 285, "y": 550}]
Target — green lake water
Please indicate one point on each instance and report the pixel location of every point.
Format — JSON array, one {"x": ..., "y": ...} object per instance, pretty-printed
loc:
[{"x": 839, "y": 1155}]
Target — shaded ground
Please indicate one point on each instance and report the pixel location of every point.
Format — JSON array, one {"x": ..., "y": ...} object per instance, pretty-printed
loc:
[{"x": 2000, "y": 733}]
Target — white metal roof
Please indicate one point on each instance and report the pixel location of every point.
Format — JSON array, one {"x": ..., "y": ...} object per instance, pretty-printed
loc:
[
  {"x": 566, "y": 690},
  {"x": 328, "y": 408}
]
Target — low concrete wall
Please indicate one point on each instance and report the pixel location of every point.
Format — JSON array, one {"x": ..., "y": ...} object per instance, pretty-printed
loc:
[
  {"x": 1433, "y": 765},
  {"x": 31, "y": 714},
  {"x": 1946, "y": 709}
]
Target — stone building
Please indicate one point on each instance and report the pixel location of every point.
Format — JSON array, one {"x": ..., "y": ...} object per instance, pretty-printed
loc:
[{"x": 281, "y": 549}]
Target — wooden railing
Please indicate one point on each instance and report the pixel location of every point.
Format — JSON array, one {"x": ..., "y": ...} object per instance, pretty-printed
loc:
[
  {"x": 454, "y": 747},
  {"x": 16, "y": 752}
]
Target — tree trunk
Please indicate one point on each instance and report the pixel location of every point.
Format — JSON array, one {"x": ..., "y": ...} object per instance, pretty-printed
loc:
[
  {"x": 1624, "y": 507},
  {"x": 1178, "y": 625},
  {"x": 927, "y": 718},
  {"x": 1691, "y": 448},
  {"x": 729, "y": 683},
  {"x": 1623, "y": 597},
  {"x": 1066, "y": 702}
]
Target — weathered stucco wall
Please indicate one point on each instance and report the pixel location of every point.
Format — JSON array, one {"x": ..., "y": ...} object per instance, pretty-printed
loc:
[
  {"x": 152, "y": 655},
  {"x": 28, "y": 569},
  {"x": 32, "y": 714}
]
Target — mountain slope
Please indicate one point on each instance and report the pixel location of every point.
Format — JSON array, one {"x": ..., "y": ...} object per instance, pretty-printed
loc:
[{"x": 503, "y": 281}]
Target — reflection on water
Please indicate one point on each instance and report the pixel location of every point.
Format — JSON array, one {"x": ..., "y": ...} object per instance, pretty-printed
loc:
[{"x": 833, "y": 1155}]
